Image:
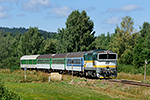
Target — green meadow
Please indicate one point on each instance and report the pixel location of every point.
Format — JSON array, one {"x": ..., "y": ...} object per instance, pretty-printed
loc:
[{"x": 36, "y": 86}]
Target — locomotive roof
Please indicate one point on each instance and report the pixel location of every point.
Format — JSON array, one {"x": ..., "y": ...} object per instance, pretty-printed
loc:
[
  {"x": 45, "y": 56},
  {"x": 61, "y": 55},
  {"x": 105, "y": 51},
  {"x": 76, "y": 54},
  {"x": 28, "y": 57},
  {"x": 99, "y": 51}
]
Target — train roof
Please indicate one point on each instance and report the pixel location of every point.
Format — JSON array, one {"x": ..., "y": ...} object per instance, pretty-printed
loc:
[
  {"x": 99, "y": 51},
  {"x": 76, "y": 54},
  {"x": 105, "y": 51},
  {"x": 28, "y": 57},
  {"x": 45, "y": 56},
  {"x": 61, "y": 55}
]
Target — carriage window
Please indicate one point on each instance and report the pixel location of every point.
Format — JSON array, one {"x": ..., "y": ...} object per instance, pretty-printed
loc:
[
  {"x": 75, "y": 61},
  {"x": 34, "y": 61},
  {"x": 30, "y": 61},
  {"x": 26, "y": 62},
  {"x": 43, "y": 61},
  {"x": 59, "y": 61},
  {"x": 69, "y": 61}
]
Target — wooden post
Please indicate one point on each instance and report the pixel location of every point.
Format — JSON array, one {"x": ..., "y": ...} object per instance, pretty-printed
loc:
[
  {"x": 145, "y": 70},
  {"x": 25, "y": 73},
  {"x": 72, "y": 70},
  {"x": 49, "y": 78}
]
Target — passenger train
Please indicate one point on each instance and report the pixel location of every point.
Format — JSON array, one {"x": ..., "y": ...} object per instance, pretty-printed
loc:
[{"x": 99, "y": 63}]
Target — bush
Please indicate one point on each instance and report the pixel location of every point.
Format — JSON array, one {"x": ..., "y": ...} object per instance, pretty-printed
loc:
[
  {"x": 5, "y": 94},
  {"x": 124, "y": 68},
  {"x": 133, "y": 70},
  {"x": 147, "y": 69},
  {"x": 14, "y": 68}
]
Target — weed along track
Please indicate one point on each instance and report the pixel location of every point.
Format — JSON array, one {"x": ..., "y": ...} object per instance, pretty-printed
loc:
[
  {"x": 132, "y": 82},
  {"x": 123, "y": 81}
]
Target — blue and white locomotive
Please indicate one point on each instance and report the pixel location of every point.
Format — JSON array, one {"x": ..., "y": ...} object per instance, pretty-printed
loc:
[{"x": 99, "y": 63}]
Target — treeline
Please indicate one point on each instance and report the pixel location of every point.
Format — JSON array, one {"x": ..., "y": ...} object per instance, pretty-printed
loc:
[
  {"x": 15, "y": 31},
  {"x": 132, "y": 47},
  {"x": 14, "y": 45}
]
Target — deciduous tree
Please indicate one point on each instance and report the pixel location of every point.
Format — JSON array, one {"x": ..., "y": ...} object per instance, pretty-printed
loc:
[{"x": 77, "y": 35}]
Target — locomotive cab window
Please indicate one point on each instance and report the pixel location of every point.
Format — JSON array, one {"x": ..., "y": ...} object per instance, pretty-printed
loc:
[
  {"x": 111, "y": 56},
  {"x": 107, "y": 56},
  {"x": 102, "y": 56}
]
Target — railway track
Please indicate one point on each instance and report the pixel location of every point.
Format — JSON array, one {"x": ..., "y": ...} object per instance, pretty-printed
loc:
[
  {"x": 124, "y": 81},
  {"x": 132, "y": 82}
]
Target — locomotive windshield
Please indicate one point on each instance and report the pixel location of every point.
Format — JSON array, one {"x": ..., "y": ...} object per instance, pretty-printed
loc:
[{"x": 107, "y": 56}]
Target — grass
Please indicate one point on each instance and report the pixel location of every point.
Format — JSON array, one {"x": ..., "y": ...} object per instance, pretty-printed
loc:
[
  {"x": 138, "y": 77},
  {"x": 53, "y": 91},
  {"x": 36, "y": 86}
]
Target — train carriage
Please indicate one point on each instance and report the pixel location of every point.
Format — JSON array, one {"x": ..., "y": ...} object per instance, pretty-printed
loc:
[
  {"x": 59, "y": 61},
  {"x": 44, "y": 61},
  {"x": 75, "y": 61},
  {"x": 28, "y": 61}
]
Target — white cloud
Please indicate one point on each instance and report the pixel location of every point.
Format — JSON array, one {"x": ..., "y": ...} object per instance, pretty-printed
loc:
[
  {"x": 113, "y": 20},
  {"x": 91, "y": 8},
  {"x": 2, "y": 0},
  {"x": 8, "y": 0},
  {"x": 130, "y": 8},
  {"x": 3, "y": 15},
  {"x": 3, "y": 8},
  {"x": 35, "y": 5},
  {"x": 127, "y": 8},
  {"x": 21, "y": 15},
  {"x": 61, "y": 12}
]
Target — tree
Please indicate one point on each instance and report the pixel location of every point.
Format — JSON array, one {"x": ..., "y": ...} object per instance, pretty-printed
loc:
[
  {"x": 100, "y": 42},
  {"x": 50, "y": 46},
  {"x": 78, "y": 34},
  {"x": 125, "y": 39},
  {"x": 144, "y": 29},
  {"x": 31, "y": 42},
  {"x": 8, "y": 50},
  {"x": 142, "y": 49}
]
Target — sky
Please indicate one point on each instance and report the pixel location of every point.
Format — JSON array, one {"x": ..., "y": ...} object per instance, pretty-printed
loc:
[{"x": 49, "y": 15}]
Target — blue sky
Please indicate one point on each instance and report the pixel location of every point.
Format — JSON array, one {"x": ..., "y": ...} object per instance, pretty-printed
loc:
[{"x": 50, "y": 15}]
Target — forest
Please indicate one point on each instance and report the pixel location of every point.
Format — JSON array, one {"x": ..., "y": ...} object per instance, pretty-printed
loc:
[{"x": 132, "y": 47}]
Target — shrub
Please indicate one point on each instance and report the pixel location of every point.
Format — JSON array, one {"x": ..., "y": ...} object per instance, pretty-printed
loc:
[
  {"x": 14, "y": 68},
  {"x": 125, "y": 68},
  {"x": 133, "y": 70},
  {"x": 5, "y": 94}
]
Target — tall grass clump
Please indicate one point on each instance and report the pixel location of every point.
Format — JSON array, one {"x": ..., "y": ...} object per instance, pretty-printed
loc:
[
  {"x": 6, "y": 94},
  {"x": 131, "y": 69},
  {"x": 125, "y": 68},
  {"x": 14, "y": 68}
]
